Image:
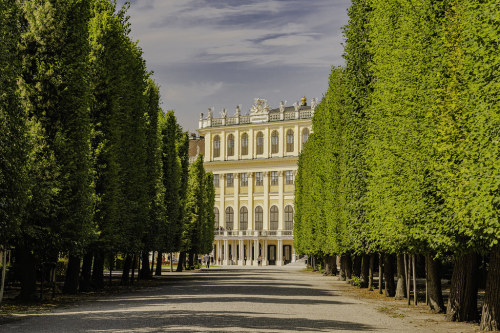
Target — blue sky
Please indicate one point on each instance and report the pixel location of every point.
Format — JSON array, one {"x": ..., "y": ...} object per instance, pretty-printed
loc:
[{"x": 221, "y": 53}]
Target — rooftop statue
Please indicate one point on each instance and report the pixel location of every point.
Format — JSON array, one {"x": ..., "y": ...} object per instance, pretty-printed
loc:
[
  {"x": 282, "y": 106},
  {"x": 260, "y": 106}
]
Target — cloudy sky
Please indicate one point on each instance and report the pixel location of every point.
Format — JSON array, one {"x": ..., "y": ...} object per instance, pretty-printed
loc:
[{"x": 221, "y": 53}]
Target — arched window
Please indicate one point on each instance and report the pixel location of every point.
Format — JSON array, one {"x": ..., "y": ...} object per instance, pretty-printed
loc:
[
  {"x": 289, "y": 141},
  {"x": 244, "y": 144},
  {"x": 274, "y": 218},
  {"x": 260, "y": 143},
  {"x": 216, "y": 218},
  {"x": 259, "y": 218},
  {"x": 229, "y": 218},
  {"x": 305, "y": 135},
  {"x": 230, "y": 145},
  {"x": 243, "y": 218},
  {"x": 216, "y": 146},
  {"x": 288, "y": 217},
  {"x": 275, "y": 140}
]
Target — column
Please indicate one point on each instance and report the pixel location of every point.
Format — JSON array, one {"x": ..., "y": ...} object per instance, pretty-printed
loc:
[
  {"x": 226, "y": 252},
  {"x": 219, "y": 260},
  {"x": 296, "y": 138},
  {"x": 223, "y": 145},
  {"x": 281, "y": 198},
  {"x": 282, "y": 143},
  {"x": 279, "y": 259},
  {"x": 222, "y": 199},
  {"x": 264, "y": 253},
  {"x": 237, "y": 142},
  {"x": 255, "y": 252},
  {"x": 251, "y": 224},
  {"x": 251, "y": 144},
  {"x": 266, "y": 200},
  {"x": 236, "y": 197},
  {"x": 267, "y": 142},
  {"x": 241, "y": 252},
  {"x": 248, "y": 252}
]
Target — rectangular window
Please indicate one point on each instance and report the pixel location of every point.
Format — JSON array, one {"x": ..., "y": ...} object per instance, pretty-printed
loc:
[
  {"x": 289, "y": 177},
  {"x": 274, "y": 177},
  {"x": 229, "y": 180},
  {"x": 243, "y": 180},
  {"x": 259, "y": 179},
  {"x": 216, "y": 180}
]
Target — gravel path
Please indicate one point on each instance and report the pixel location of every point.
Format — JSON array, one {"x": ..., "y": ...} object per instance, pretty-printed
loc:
[{"x": 245, "y": 300}]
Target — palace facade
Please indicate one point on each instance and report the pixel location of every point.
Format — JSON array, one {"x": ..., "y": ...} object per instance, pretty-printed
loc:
[{"x": 254, "y": 161}]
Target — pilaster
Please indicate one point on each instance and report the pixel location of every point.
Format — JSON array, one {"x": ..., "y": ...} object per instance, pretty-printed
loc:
[
  {"x": 236, "y": 201},
  {"x": 281, "y": 199},
  {"x": 266, "y": 200},
  {"x": 279, "y": 255}
]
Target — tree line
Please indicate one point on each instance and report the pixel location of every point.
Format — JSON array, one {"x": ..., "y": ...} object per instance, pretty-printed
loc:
[
  {"x": 90, "y": 165},
  {"x": 404, "y": 160}
]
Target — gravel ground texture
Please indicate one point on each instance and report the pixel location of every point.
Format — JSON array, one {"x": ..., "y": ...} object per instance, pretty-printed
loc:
[{"x": 226, "y": 299}]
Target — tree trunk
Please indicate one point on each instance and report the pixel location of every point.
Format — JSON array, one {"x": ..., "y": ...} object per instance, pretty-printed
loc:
[
  {"x": 365, "y": 271},
  {"x": 26, "y": 273},
  {"x": 415, "y": 290},
  {"x": 342, "y": 274},
  {"x": 111, "y": 265},
  {"x": 134, "y": 265},
  {"x": 433, "y": 280},
  {"x": 191, "y": 260},
  {"x": 145, "y": 272},
  {"x": 182, "y": 258},
  {"x": 356, "y": 266},
  {"x": 71, "y": 281},
  {"x": 126, "y": 270},
  {"x": 330, "y": 265},
  {"x": 159, "y": 262},
  {"x": 370, "y": 271},
  {"x": 490, "y": 319},
  {"x": 171, "y": 262},
  {"x": 348, "y": 267},
  {"x": 462, "y": 304},
  {"x": 4, "y": 269},
  {"x": 85, "y": 284},
  {"x": 390, "y": 287},
  {"x": 98, "y": 271},
  {"x": 401, "y": 284},
  {"x": 152, "y": 262},
  {"x": 380, "y": 272}
]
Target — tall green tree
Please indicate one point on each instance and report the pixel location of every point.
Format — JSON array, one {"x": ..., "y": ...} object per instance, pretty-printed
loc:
[
  {"x": 13, "y": 134},
  {"x": 198, "y": 211},
  {"x": 13, "y": 127},
  {"x": 119, "y": 116},
  {"x": 208, "y": 222},
  {"x": 55, "y": 91},
  {"x": 169, "y": 232},
  {"x": 156, "y": 191}
]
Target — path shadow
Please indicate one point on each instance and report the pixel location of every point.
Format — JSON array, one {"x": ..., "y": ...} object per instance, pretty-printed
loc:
[{"x": 191, "y": 321}]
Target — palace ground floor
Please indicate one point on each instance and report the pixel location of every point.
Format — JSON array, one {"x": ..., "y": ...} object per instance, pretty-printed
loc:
[{"x": 255, "y": 250}]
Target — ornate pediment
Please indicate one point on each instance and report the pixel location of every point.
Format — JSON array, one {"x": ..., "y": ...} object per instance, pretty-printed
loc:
[{"x": 260, "y": 106}]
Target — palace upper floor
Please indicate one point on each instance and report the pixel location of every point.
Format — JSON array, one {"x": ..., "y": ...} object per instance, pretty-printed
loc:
[{"x": 262, "y": 134}]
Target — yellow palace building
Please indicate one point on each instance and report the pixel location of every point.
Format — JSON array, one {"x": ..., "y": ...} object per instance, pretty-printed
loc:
[{"x": 254, "y": 161}]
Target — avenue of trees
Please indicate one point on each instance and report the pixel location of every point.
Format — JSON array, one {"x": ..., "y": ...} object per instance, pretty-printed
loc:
[
  {"x": 91, "y": 169},
  {"x": 404, "y": 161}
]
